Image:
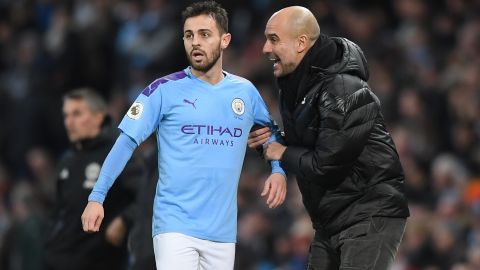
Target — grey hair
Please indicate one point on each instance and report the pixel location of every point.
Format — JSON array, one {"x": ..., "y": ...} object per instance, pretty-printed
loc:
[{"x": 93, "y": 99}]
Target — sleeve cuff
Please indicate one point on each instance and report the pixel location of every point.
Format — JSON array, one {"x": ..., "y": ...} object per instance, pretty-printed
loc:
[
  {"x": 277, "y": 168},
  {"x": 96, "y": 196}
]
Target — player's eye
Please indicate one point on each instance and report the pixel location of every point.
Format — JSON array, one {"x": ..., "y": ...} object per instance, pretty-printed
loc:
[{"x": 187, "y": 36}]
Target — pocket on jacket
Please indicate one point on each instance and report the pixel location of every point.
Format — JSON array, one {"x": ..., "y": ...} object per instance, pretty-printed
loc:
[{"x": 378, "y": 224}]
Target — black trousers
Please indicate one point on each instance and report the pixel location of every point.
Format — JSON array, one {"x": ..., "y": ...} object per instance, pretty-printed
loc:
[{"x": 370, "y": 244}]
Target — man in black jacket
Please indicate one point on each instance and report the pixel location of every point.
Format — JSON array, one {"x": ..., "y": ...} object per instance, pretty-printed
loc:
[
  {"x": 91, "y": 135},
  {"x": 140, "y": 237},
  {"x": 345, "y": 161}
]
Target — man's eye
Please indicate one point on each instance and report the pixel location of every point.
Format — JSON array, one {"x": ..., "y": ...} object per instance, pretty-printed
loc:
[
  {"x": 273, "y": 40},
  {"x": 205, "y": 34},
  {"x": 188, "y": 36}
]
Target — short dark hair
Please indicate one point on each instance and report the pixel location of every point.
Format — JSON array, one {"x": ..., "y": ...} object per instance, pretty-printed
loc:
[
  {"x": 211, "y": 8},
  {"x": 92, "y": 98}
]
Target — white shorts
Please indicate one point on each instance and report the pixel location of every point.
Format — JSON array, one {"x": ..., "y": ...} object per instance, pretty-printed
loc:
[{"x": 182, "y": 252}]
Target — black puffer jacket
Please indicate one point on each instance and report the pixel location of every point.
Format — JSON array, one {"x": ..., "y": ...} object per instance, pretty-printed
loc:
[
  {"x": 344, "y": 159},
  {"x": 67, "y": 245}
]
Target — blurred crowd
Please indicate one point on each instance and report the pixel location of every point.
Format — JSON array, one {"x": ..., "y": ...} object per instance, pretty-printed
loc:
[{"x": 424, "y": 61}]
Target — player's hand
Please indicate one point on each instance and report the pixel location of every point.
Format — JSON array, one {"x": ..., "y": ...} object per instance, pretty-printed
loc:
[
  {"x": 258, "y": 137},
  {"x": 273, "y": 151},
  {"x": 276, "y": 189},
  {"x": 92, "y": 217},
  {"x": 116, "y": 232}
]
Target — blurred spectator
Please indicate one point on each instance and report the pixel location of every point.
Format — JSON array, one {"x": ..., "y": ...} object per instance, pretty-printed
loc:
[
  {"x": 140, "y": 237},
  {"x": 42, "y": 170},
  {"x": 22, "y": 247},
  {"x": 91, "y": 135}
]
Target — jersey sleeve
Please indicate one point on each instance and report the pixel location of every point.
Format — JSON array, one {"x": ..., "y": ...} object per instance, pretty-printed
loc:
[
  {"x": 262, "y": 117},
  {"x": 113, "y": 165},
  {"x": 143, "y": 117}
]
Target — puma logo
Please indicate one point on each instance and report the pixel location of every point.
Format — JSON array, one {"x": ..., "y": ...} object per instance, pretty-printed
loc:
[{"x": 190, "y": 102}]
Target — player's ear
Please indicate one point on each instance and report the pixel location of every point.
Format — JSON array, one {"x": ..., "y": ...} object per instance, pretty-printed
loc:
[{"x": 226, "y": 38}]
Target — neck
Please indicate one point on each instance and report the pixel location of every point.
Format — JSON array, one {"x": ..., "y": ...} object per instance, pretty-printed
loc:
[
  {"x": 77, "y": 145},
  {"x": 80, "y": 143},
  {"x": 212, "y": 76}
]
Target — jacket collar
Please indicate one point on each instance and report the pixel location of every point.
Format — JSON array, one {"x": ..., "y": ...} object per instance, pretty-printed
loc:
[
  {"x": 323, "y": 54},
  {"x": 104, "y": 136}
]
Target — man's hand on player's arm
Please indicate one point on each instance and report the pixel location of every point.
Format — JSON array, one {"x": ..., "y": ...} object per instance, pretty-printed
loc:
[
  {"x": 273, "y": 151},
  {"x": 92, "y": 217},
  {"x": 276, "y": 188},
  {"x": 258, "y": 137}
]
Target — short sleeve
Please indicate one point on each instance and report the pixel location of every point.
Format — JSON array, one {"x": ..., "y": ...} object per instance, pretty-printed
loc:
[
  {"x": 262, "y": 117},
  {"x": 143, "y": 117},
  {"x": 261, "y": 114}
]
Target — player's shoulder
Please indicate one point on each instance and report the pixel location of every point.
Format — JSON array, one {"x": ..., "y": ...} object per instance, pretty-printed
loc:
[
  {"x": 242, "y": 81},
  {"x": 165, "y": 81},
  {"x": 238, "y": 79}
]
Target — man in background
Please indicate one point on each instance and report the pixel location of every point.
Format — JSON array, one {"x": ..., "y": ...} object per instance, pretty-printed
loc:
[
  {"x": 91, "y": 135},
  {"x": 140, "y": 238}
]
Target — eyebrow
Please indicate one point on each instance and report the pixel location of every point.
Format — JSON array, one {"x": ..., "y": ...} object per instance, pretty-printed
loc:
[
  {"x": 272, "y": 35},
  {"x": 199, "y": 30}
]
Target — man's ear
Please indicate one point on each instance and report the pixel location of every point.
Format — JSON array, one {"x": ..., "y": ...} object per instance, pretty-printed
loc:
[
  {"x": 98, "y": 118},
  {"x": 302, "y": 43},
  {"x": 226, "y": 38}
]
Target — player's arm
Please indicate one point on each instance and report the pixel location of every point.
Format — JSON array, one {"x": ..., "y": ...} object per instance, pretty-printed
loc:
[
  {"x": 276, "y": 184},
  {"x": 275, "y": 188},
  {"x": 113, "y": 165},
  {"x": 138, "y": 124},
  {"x": 130, "y": 181}
]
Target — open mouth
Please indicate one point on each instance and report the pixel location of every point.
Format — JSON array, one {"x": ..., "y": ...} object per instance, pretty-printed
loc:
[
  {"x": 275, "y": 60},
  {"x": 197, "y": 55}
]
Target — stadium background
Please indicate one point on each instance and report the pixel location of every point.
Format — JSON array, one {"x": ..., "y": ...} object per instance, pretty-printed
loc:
[{"x": 424, "y": 61}]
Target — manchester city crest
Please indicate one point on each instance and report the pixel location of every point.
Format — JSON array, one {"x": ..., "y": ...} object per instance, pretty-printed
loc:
[{"x": 238, "y": 106}]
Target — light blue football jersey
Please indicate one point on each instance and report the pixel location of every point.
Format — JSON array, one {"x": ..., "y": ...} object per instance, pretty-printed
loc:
[{"x": 202, "y": 132}]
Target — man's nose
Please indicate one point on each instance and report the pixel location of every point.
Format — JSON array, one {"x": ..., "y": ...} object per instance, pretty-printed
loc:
[
  {"x": 195, "y": 40},
  {"x": 68, "y": 122},
  {"x": 267, "y": 48}
]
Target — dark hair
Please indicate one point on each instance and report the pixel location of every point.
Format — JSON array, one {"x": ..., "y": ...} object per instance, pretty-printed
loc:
[
  {"x": 93, "y": 99},
  {"x": 211, "y": 8}
]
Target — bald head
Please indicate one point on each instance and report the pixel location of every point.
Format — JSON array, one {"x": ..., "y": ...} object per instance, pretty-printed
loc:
[
  {"x": 290, "y": 33},
  {"x": 299, "y": 21}
]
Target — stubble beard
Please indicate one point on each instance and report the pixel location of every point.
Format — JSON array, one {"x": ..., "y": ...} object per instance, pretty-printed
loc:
[{"x": 209, "y": 63}]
